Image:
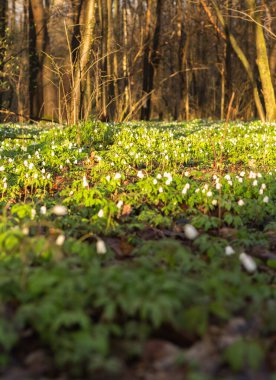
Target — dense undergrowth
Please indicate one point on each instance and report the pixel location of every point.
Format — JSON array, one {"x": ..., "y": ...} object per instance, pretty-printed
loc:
[{"x": 96, "y": 260}]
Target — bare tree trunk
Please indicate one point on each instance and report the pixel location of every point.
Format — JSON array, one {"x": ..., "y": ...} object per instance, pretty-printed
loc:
[
  {"x": 42, "y": 93},
  {"x": 23, "y": 80},
  {"x": 81, "y": 65},
  {"x": 146, "y": 60},
  {"x": 103, "y": 58},
  {"x": 152, "y": 63},
  {"x": 3, "y": 24},
  {"x": 126, "y": 89},
  {"x": 263, "y": 63},
  {"x": 240, "y": 54}
]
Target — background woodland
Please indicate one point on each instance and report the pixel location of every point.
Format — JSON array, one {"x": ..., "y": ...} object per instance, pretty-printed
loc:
[{"x": 115, "y": 60}]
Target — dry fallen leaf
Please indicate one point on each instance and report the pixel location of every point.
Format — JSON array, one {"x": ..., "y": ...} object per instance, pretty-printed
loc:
[{"x": 126, "y": 210}]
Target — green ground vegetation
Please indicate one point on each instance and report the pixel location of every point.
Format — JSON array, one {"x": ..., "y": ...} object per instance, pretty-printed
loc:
[{"x": 96, "y": 257}]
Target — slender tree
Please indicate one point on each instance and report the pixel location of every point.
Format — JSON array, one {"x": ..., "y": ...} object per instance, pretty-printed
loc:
[
  {"x": 3, "y": 25},
  {"x": 263, "y": 62},
  {"x": 82, "y": 61},
  {"x": 151, "y": 57}
]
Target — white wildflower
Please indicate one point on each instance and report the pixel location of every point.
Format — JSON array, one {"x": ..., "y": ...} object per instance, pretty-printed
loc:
[
  {"x": 84, "y": 181},
  {"x": 59, "y": 210},
  {"x": 263, "y": 186},
  {"x": 33, "y": 213},
  {"x": 190, "y": 231},
  {"x": 117, "y": 176},
  {"x": 120, "y": 204},
  {"x": 25, "y": 230},
  {"x": 140, "y": 174},
  {"x": 229, "y": 250},
  {"x": 209, "y": 194},
  {"x": 100, "y": 247},
  {"x": 60, "y": 240},
  {"x": 248, "y": 262},
  {"x": 241, "y": 202},
  {"x": 266, "y": 199},
  {"x": 43, "y": 210},
  {"x": 101, "y": 213}
]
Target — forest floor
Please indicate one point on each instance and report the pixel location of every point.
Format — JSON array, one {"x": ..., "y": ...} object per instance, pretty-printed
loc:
[{"x": 138, "y": 251}]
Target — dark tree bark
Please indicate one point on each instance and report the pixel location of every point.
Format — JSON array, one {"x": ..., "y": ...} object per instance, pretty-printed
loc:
[{"x": 151, "y": 61}]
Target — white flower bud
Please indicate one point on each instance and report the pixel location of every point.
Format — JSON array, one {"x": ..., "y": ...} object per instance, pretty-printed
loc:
[
  {"x": 43, "y": 210},
  {"x": 100, "y": 247},
  {"x": 101, "y": 213},
  {"x": 120, "y": 204},
  {"x": 60, "y": 240},
  {"x": 190, "y": 232},
  {"x": 59, "y": 210},
  {"x": 247, "y": 262},
  {"x": 229, "y": 250}
]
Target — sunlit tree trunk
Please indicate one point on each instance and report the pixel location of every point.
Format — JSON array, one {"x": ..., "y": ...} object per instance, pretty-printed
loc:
[
  {"x": 146, "y": 61},
  {"x": 22, "y": 86},
  {"x": 3, "y": 24},
  {"x": 240, "y": 54},
  {"x": 82, "y": 60},
  {"x": 263, "y": 63}
]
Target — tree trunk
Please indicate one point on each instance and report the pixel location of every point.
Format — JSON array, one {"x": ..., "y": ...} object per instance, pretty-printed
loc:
[
  {"x": 42, "y": 90},
  {"x": 81, "y": 65},
  {"x": 152, "y": 63},
  {"x": 146, "y": 61},
  {"x": 22, "y": 87},
  {"x": 263, "y": 63},
  {"x": 240, "y": 54},
  {"x": 3, "y": 24}
]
